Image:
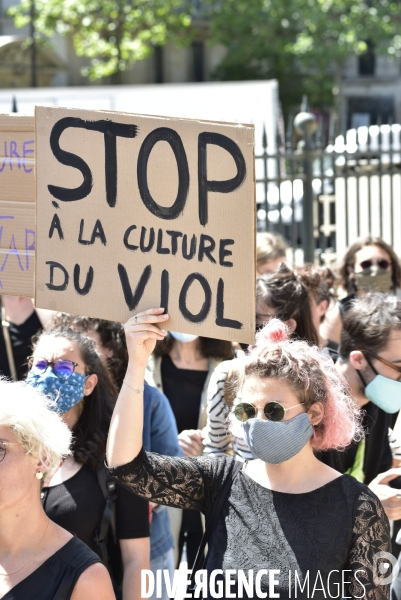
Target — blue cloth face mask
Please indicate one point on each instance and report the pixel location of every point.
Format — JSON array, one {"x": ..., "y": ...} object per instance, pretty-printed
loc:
[
  {"x": 382, "y": 391},
  {"x": 66, "y": 392},
  {"x": 275, "y": 442}
]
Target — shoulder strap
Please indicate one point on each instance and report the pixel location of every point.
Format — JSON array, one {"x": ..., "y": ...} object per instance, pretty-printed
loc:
[
  {"x": 7, "y": 340},
  {"x": 357, "y": 468},
  {"x": 211, "y": 523},
  {"x": 109, "y": 490}
]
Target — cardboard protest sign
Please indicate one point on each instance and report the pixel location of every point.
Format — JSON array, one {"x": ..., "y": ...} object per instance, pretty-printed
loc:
[
  {"x": 17, "y": 205},
  {"x": 136, "y": 211}
]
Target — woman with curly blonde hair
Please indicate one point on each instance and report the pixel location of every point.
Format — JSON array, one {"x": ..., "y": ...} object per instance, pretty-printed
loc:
[
  {"x": 289, "y": 526},
  {"x": 38, "y": 559}
]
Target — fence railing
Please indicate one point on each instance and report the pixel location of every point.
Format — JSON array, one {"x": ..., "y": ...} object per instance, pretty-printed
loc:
[{"x": 321, "y": 191}]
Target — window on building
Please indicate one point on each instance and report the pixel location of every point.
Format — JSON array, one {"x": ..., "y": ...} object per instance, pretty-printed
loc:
[
  {"x": 367, "y": 61},
  {"x": 198, "y": 61},
  {"x": 158, "y": 63},
  {"x": 369, "y": 110}
]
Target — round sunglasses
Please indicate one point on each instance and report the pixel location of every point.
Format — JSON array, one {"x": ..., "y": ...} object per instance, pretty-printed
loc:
[
  {"x": 63, "y": 369},
  {"x": 273, "y": 411},
  {"x": 383, "y": 263}
]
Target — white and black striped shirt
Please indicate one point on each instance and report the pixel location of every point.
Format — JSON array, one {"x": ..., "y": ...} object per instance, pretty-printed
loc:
[{"x": 218, "y": 438}]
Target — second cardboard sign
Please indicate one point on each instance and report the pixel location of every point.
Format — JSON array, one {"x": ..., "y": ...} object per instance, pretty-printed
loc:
[{"x": 17, "y": 205}]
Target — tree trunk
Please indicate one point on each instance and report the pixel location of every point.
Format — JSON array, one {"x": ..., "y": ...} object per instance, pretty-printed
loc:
[
  {"x": 339, "y": 97},
  {"x": 117, "y": 78}
]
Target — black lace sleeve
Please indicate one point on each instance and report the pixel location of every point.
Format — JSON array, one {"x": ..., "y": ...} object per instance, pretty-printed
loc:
[
  {"x": 371, "y": 536},
  {"x": 181, "y": 482}
]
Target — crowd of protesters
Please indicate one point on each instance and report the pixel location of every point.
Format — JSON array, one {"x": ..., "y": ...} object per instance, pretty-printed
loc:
[{"x": 286, "y": 451}]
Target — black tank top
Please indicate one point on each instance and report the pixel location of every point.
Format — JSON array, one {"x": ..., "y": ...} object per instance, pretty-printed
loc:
[
  {"x": 56, "y": 578},
  {"x": 21, "y": 341}
]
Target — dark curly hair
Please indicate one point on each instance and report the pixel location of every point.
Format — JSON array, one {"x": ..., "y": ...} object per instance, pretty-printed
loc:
[
  {"x": 347, "y": 265},
  {"x": 286, "y": 292},
  {"x": 320, "y": 282},
  {"x": 208, "y": 347},
  {"x": 112, "y": 337},
  {"x": 90, "y": 432}
]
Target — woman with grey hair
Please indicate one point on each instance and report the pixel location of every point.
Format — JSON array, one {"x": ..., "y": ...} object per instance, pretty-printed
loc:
[{"x": 38, "y": 559}]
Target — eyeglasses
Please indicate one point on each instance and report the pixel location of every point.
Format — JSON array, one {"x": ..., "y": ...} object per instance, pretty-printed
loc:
[
  {"x": 273, "y": 411},
  {"x": 63, "y": 369},
  {"x": 384, "y": 361},
  {"x": 3, "y": 448},
  {"x": 383, "y": 263}
]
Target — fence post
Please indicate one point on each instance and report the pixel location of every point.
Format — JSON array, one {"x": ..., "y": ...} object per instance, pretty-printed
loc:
[{"x": 305, "y": 124}]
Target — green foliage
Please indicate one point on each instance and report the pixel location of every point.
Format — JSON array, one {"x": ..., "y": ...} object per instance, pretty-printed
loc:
[
  {"x": 113, "y": 34},
  {"x": 302, "y": 43}
]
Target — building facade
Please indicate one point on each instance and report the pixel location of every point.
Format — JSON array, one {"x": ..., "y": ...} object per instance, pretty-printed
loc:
[{"x": 370, "y": 90}]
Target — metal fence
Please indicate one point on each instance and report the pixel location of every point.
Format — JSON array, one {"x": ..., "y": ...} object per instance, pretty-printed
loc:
[{"x": 321, "y": 189}]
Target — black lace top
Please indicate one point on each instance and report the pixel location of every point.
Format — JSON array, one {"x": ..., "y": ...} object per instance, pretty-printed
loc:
[{"x": 338, "y": 527}]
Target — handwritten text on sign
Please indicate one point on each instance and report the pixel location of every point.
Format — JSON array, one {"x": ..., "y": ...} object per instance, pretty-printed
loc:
[
  {"x": 17, "y": 205},
  {"x": 136, "y": 211}
]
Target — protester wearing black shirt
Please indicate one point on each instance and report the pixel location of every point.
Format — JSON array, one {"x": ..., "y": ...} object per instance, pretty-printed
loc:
[
  {"x": 375, "y": 448},
  {"x": 181, "y": 368},
  {"x": 20, "y": 322},
  {"x": 179, "y": 384},
  {"x": 21, "y": 341},
  {"x": 82, "y": 490},
  {"x": 39, "y": 560},
  {"x": 72, "y": 495},
  {"x": 371, "y": 348},
  {"x": 285, "y": 510}
]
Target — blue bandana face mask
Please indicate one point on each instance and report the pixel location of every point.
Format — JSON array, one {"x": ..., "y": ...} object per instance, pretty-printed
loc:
[
  {"x": 275, "y": 442},
  {"x": 66, "y": 392}
]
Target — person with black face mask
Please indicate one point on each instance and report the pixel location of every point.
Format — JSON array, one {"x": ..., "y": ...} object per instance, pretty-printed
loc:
[
  {"x": 370, "y": 362},
  {"x": 284, "y": 512}
]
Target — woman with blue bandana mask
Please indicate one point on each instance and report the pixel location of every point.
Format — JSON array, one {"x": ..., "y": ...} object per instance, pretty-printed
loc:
[
  {"x": 67, "y": 367},
  {"x": 159, "y": 434},
  {"x": 284, "y": 513},
  {"x": 58, "y": 370}
]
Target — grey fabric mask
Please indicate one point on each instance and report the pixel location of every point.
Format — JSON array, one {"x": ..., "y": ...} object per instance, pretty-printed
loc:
[
  {"x": 374, "y": 279},
  {"x": 275, "y": 442}
]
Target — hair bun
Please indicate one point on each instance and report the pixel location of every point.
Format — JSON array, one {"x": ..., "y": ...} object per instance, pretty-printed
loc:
[{"x": 274, "y": 331}]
